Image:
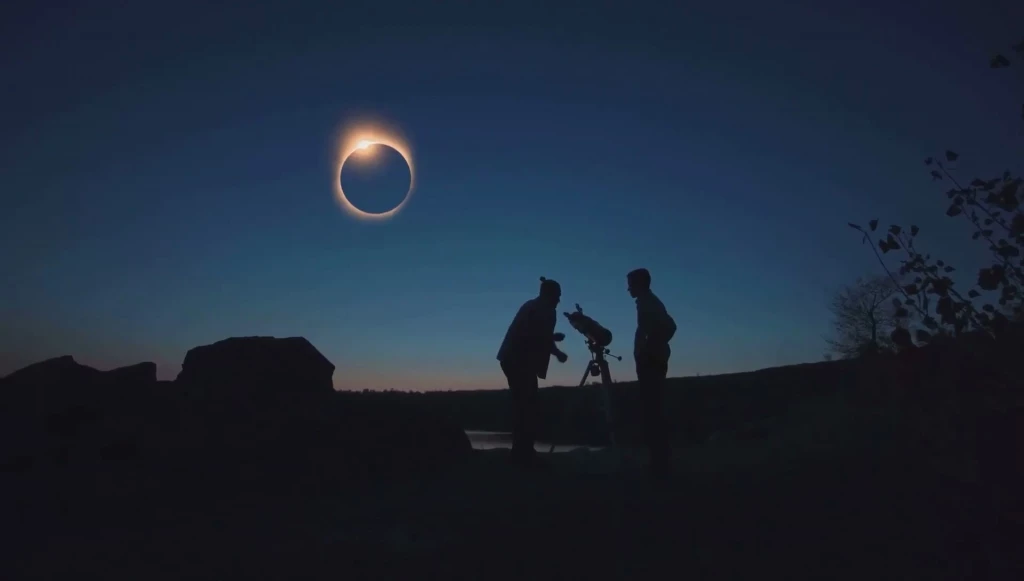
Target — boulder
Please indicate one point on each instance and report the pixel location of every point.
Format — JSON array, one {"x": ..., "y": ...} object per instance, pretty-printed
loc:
[
  {"x": 59, "y": 407},
  {"x": 48, "y": 390},
  {"x": 140, "y": 374},
  {"x": 256, "y": 367}
]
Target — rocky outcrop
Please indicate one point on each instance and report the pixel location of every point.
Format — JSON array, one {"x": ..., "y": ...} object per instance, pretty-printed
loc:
[
  {"x": 242, "y": 409},
  {"x": 54, "y": 409},
  {"x": 255, "y": 367}
]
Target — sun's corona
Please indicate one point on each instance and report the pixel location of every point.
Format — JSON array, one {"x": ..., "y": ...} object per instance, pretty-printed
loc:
[{"x": 361, "y": 139}]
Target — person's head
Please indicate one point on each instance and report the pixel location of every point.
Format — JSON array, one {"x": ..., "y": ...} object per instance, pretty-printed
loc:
[
  {"x": 550, "y": 291},
  {"x": 638, "y": 281}
]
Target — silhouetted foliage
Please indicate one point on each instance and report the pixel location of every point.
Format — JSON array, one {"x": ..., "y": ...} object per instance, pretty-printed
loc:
[
  {"x": 863, "y": 317},
  {"x": 934, "y": 306}
]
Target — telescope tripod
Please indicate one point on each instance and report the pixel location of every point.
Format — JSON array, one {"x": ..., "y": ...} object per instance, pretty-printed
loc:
[{"x": 598, "y": 366}]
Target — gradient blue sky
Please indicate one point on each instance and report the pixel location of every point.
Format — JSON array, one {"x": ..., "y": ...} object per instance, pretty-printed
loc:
[{"x": 166, "y": 175}]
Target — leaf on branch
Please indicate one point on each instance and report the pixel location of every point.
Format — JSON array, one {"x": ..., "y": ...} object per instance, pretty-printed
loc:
[
  {"x": 895, "y": 230},
  {"x": 951, "y": 155},
  {"x": 1006, "y": 199},
  {"x": 928, "y": 161},
  {"x": 901, "y": 337},
  {"x": 940, "y": 263},
  {"x": 988, "y": 309},
  {"x": 931, "y": 323},
  {"x": 1009, "y": 251},
  {"x": 988, "y": 221},
  {"x": 941, "y": 286},
  {"x": 944, "y": 308},
  {"x": 999, "y": 61},
  {"x": 949, "y": 269},
  {"x": 897, "y": 303},
  {"x": 978, "y": 183},
  {"x": 923, "y": 336},
  {"x": 986, "y": 233},
  {"x": 873, "y": 224},
  {"x": 954, "y": 210},
  {"x": 973, "y": 294},
  {"x": 936, "y": 175},
  {"x": 914, "y": 230},
  {"x": 901, "y": 313},
  {"x": 990, "y": 278},
  {"x": 1006, "y": 175},
  {"x": 889, "y": 243},
  {"x": 910, "y": 289},
  {"x": 976, "y": 235},
  {"x": 854, "y": 226},
  {"x": 1017, "y": 225}
]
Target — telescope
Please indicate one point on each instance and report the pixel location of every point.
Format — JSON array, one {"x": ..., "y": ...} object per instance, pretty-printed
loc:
[
  {"x": 598, "y": 339},
  {"x": 597, "y": 336}
]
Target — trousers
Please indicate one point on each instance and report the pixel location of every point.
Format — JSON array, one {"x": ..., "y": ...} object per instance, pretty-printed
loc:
[
  {"x": 650, "y": 373},
  {"x": 523, "y": 388}
]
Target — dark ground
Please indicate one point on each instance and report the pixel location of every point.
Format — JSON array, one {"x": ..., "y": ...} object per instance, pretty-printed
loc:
[{"x": 827, "y": 497}]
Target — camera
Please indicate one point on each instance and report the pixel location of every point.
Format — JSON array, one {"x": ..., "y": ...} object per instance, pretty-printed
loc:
[{"x": 597, "y": 336}]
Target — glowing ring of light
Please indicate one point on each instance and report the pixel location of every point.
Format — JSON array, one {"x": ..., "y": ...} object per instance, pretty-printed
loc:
[{"x": 356, "y": 141}]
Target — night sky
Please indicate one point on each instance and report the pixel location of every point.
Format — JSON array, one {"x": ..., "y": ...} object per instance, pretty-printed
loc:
[{"x": 167, "y": 172}]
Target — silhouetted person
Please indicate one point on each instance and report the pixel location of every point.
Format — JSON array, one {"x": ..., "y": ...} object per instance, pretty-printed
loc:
[
  {"x": 524, "y": 355},
  {"x": 654, "y": 329}
]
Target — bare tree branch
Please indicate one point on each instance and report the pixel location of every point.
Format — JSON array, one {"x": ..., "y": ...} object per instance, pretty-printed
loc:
[{"x": 863, "y": 317}]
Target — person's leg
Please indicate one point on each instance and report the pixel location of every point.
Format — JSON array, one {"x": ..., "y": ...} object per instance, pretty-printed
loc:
[
  {"x": 513, "y": 377},
  {"x": 651, "y": 375},
  {"x": 661, "y": 449},
  {"x": 523, "y": 391},
  {"x": 529, "y": 390}
]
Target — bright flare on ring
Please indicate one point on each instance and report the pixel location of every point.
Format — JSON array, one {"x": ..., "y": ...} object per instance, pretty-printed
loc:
[{"x": 359, "y": 139}]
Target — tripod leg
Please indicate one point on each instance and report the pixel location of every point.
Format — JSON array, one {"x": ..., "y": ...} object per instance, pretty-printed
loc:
[
  {"x": 606, "y": 374},
  {"x": 586, "y": 374},
  {"x": 606, "y": 388}
]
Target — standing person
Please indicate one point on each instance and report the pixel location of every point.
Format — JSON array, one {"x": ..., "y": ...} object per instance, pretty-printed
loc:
[
  {"x": 654, "y": 329},
  {"x": 524, "y": 355}
]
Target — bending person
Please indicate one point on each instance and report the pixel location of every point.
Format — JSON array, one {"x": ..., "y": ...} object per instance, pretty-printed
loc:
[{"x": 524, "y": 355}]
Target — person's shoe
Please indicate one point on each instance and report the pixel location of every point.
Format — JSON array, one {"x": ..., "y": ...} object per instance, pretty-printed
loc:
[
  {"x": 530, "y": 462},
  {"x": 521, "y": 457}
]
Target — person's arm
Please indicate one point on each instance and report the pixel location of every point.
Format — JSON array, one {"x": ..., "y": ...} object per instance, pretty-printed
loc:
[
  {"x": 546, "y": 333},
  {"x": 645, "y": 323}
]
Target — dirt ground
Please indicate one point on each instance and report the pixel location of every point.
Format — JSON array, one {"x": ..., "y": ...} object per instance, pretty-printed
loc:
[{"x": 590, "y": 515}]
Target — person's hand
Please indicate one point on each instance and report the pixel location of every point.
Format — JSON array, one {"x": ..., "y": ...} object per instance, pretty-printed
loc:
[
  {"x": 559, "y": 337},
  {"x": 562, "y": 357}
]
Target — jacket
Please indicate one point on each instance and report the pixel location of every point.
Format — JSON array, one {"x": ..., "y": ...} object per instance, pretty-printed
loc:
[
  {"x": 529, "y": 341},
  {"x": 654, "y": 327}
]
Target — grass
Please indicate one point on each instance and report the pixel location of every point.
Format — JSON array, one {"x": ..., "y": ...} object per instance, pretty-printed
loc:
[{"x": 824, "y": 489}]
